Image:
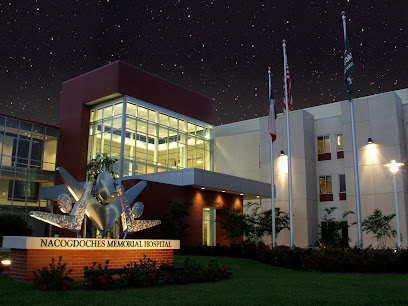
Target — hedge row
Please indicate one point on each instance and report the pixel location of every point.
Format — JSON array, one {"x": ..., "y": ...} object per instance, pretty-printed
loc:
[{"x": 311, "y": 259}]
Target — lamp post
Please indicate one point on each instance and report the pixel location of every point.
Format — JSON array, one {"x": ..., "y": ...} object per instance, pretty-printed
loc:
[{"x": 394, "y": 168}]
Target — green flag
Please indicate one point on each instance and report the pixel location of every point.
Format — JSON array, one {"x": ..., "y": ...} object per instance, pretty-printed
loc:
[{"x": 348, "y": 70}]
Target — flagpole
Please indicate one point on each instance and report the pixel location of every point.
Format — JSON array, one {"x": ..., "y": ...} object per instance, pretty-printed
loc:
[
  {"x": 353, "y": 132},
  {"x": 289, "y": 152},
  {"x": 272, "y": 173}
]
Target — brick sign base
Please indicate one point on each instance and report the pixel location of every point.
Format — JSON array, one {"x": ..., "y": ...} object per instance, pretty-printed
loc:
[{"x": 25, "y": 260}]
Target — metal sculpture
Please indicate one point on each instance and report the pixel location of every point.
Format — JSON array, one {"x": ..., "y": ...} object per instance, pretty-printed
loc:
[
  {"x": 130, "y": 225},
  {"x": 73, "y": 221},
  {"x": 102, "y": 216}
]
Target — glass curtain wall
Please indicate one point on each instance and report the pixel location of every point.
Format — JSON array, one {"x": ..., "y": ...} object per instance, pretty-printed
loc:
[
  {"x": 148, "y": 139},
  {"x": 27, "y": 162}
]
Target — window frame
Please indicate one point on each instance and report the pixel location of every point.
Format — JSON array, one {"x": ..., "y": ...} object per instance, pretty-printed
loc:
[
  {"x": 326, "y": 196},
  {"x": 325, "y": 137},
  {"x": 337, "y": 142},
  {"x": 345, "y": 188},
  {"x": 326, "y": 154},
  {"x": 325, "y": 180}
]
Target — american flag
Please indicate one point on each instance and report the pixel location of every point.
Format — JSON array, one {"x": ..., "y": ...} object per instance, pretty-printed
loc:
[
  {"x": 290, "y": 100},
  {"x": 272, "y": 113}
]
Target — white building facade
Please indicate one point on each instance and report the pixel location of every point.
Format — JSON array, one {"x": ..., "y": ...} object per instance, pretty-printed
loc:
[{"x": 322, "y": 162}]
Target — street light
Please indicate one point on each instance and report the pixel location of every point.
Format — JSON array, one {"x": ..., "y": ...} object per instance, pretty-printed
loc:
[{"x": 394, "y": 168}]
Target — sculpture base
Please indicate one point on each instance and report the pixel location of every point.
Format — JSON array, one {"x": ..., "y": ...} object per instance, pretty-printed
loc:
[{"x": 32, "y": 253}]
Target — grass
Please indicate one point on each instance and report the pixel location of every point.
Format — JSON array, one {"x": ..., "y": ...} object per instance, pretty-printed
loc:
[{"x": 253, "y": 283}]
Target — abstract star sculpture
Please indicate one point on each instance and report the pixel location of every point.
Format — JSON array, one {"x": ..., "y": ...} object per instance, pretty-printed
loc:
[
  {"x": 102, "y": 216},
  {"x": 129, "y": 224},
  {"x": 73, "y": 221}
]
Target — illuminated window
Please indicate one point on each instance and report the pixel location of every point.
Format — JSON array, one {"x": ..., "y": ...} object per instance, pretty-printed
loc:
[
  {"x": 323, "y": 144},
  {"x": 339, "y": 142},
  {"x": 156, "y": 140},
  {"x": 209, "y": 225},
  {"x": 325, "y": 184}
]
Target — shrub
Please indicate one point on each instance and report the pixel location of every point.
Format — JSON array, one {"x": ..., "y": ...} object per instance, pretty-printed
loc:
[
  {"x": 329, "y": 259},
  {"x": 191, "y": 272},
  {"x": 97, "y": 277},
  {"x": 146, "y": 273},
  {"x": 54, "y": 277},
  {"x": 141, "y": 274}
]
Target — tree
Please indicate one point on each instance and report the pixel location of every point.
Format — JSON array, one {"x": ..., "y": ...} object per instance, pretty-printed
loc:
[
  {"x": 234, "y": 224},
  {"x": 173, "y": 221},
  {"x": 265, "y": 222},
  {"x": 100, "y": 164},
  {"x": 334, "y": 232},
  {"x": 379, "y": 225},
  {"x": 254, "y": 224},
  {"x": 95, "y": 167}
]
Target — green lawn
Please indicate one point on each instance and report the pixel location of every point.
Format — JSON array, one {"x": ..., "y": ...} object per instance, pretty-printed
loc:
[{"x": 253, "y": 283}]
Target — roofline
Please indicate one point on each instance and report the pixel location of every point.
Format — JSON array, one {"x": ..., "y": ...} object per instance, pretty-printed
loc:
[
  {"x": 55, "y": 125},
  {"x": 141, "y": 70}
]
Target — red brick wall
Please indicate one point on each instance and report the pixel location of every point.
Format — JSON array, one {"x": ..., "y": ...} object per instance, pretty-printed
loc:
[
  {"x": 155, "y": 198},
  {"x": 25, "y": 261}
]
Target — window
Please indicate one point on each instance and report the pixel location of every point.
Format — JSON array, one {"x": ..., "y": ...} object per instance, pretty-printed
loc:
[
  {"x": 323, "y": 144},
  {"x": 340, "y": 152},
  {"x": 326, "y": 184},
  {"x": 326, "y": 192},
  {"x": 339, "y": 142},
  {"x": 342, "y": 182},
  {"x": 334, "y": 233},
  {"x": 323, "y": 148},
  {"x": 23, "y": 189},
  {"x": 155, "y": 140}
]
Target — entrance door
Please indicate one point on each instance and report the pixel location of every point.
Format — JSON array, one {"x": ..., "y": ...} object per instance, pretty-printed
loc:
[{"x": 209, "y": 226}]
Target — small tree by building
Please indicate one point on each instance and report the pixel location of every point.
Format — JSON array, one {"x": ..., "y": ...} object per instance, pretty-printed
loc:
[
  {"x": 95, "y": 167},
  {"x": 172, "y": 222},
  {"x": 100, "y": 164},
  {"x": 234, "y": 224},
  {"x": 380, "y": 226},
  {"x": 254, "y": 224},
  {"x": 334, "y": 232},
  {"x": 262, "y": 221}
]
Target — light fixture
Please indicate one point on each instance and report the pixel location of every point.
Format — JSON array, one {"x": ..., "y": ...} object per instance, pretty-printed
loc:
[
  {"x": 394, "y": 168},
  {"x": 223, "y": 191},
  {"x": 6, "y": 262},
  {"x": 202, "y": 187},
  {"x": 282, "y": 153},
  {"x": 241, "y": 194},
  {"x": 257, "y": 197},
  {"x": 370, "y": 140}
]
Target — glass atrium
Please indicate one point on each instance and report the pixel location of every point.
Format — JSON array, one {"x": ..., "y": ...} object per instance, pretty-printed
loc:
[
  {"x": 27, "y": 162},
  {"x": 146, "y": 138}
]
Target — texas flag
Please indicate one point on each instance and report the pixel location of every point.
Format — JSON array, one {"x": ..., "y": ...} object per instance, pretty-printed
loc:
[{"x": 272, "y": 114}]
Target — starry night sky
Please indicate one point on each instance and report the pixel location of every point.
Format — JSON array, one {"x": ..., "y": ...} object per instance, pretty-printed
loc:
[{"x": 221, "y": 49}]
